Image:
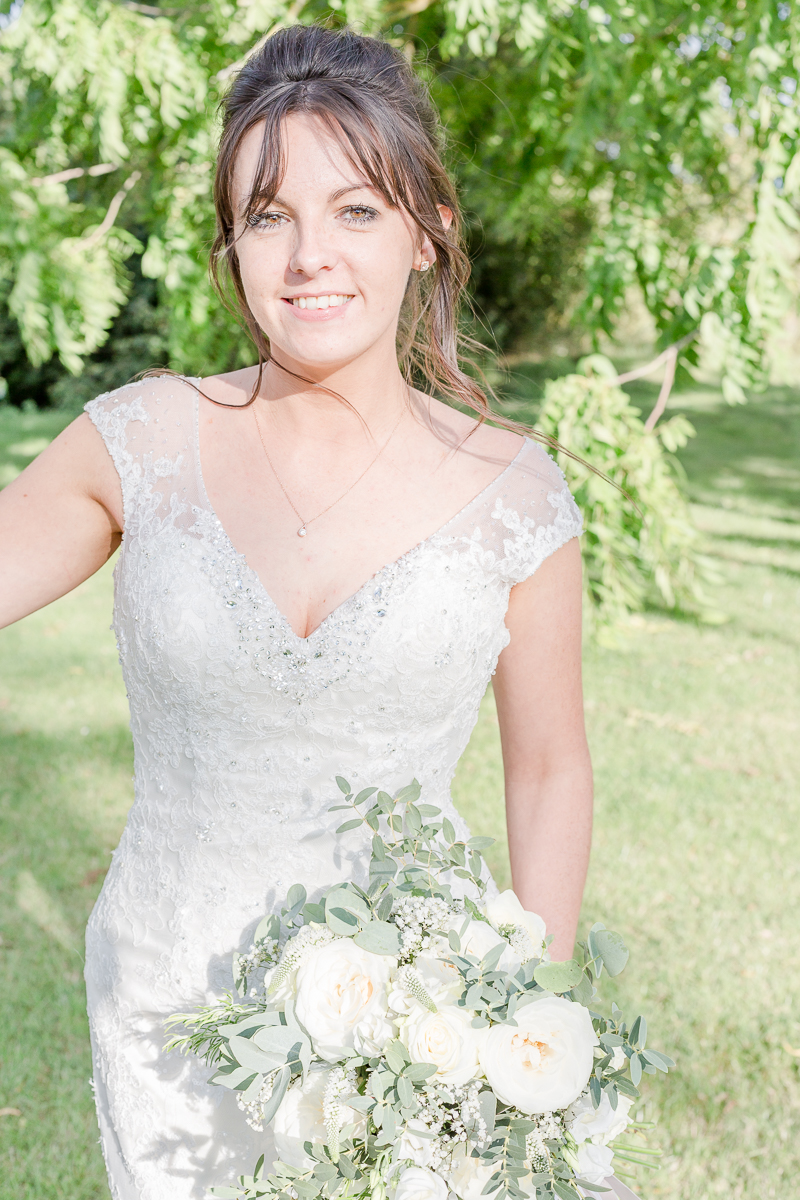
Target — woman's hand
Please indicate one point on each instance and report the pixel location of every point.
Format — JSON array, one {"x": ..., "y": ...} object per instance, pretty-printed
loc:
[
  {"x": 548, "y": 772},
  {"x": 60, "y": 520}
]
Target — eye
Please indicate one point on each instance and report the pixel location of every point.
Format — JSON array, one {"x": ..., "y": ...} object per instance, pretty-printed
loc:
[
  {"x": 359, "y": 214},
  {"x": 265, "y": 220}
]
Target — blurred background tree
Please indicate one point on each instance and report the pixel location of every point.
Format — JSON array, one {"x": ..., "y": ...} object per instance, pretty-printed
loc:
[
  {"x": 606, "y": 154},
  {"x": 600, "y": 150}
]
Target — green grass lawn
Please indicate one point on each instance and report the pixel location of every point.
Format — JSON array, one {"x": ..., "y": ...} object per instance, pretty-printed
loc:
[{"x": 695, "y": 733}]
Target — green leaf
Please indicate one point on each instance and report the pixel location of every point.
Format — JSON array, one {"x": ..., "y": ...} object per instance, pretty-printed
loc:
[
  {"x": 583, "y": 992},
  {"x": 638, "y": 1034},
  {"x": 480, "y": 843},
  {"x": 564, "y": 1191},
  {"x": 454, "y": 940},
  {"x": 419, "y": 1072},
  {"x": 364, "y": 795},
  {"x": 278, "y": 1092},
  {"x": 296, "y": 897},
  {"x": 343, "y": 785},
  {"x": 356, "y": 823},
  {"x": 379, "y": 937},
  {"x": 662, "y": 1061},
  {"x": 636, "y": 1070},
  {"x": 612, "y": 950},
  {"x": 448, "y": 831},
  {"x": 409, "y": 794},
  {"x": 558, "y": 976}
]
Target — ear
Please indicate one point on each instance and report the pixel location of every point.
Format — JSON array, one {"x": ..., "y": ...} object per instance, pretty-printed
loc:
[
  {"x": 446, "y": 214},
  {"x": 427, "y": 254}
]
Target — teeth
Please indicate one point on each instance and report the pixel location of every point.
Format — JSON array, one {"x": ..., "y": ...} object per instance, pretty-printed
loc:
[{"x": 314, "y": 302}]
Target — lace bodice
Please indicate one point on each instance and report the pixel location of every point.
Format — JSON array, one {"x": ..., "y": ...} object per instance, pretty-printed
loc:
[{"x": 240, "y": 725}]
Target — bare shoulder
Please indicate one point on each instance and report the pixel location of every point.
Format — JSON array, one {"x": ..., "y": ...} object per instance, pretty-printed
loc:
[
  {"x": 230, "y": 387},
  {"x": 75, "y": 464},
  {"x": 470, "y": 437}
]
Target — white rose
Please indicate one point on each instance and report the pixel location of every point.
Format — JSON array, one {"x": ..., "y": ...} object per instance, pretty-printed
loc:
[
  {"x": 479, "y": 938},
  {"x": 598, "y": 1125},
  {"x": 594, "y": 1163},
  {"x": 619, "y": 1059},
  {"x": 445, "y": 1038},
  {"x": 441, "y": 980},
  {"x": 546, "y": 1061},
  {"x": 414, "y": 1144},
  {"x": 506, "y": 909},
  {"x": 372, "y": 1033},
  {"x": 417, "y": 1183},
  {"x": 469, "y": 1176},
  {"x": 339, "y": 986},
  {"x": 300, "y": 1119}
]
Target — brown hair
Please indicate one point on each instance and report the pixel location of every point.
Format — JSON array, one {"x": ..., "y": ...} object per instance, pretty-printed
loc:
[
  {"x": 380, "y": 112},
  {"x": 366, "y": 94}
]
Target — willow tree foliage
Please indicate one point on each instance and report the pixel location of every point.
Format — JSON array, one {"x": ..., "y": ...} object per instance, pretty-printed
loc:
[{"x": 600, "y": 147}]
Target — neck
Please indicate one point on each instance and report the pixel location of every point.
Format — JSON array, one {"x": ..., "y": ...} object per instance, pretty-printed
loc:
[{"x": 372, "y": 398}]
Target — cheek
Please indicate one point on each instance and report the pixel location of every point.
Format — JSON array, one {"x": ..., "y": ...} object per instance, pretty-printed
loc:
[{"x": 262, "y": 269}]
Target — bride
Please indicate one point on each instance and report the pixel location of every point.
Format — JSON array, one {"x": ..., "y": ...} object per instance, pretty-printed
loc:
[{"x": 321, "y": 568}]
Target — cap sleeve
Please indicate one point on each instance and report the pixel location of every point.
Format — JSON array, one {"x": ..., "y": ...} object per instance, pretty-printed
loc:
[
  {"x": 534, "y": 512},
  {"x": 147, "y": 429}
]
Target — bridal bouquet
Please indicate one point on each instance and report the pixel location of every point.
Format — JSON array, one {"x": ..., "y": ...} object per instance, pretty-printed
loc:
[{"x": 411, "y": 1040}]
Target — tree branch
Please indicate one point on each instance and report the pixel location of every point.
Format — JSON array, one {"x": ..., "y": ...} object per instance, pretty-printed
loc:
[
  {"x": 111, "y": 215},
  {"x": 670, "y": 357},
  {"x": 74, "y": 173}
]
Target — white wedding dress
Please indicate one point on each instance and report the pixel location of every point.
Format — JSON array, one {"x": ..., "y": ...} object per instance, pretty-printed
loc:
[{"x": 239, "y": 728}]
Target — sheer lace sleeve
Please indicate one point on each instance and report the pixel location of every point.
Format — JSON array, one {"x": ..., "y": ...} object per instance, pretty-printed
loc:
[
  {"x": 537, "y": 513},
  {"x": 523, "y": 518},
  {"x": 147, "y": 428}
]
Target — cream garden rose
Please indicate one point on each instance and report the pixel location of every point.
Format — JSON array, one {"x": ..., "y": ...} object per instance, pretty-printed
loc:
[
  {"x": 506, "y": 910},
  {"x": 598, "y": 1125},
  {"x": 469, "y": 1176},
  {"x": 340, "y": 986},
  {"x": 417, "y": 1183},
  {"x": 445, "y": 1038},
  {"x": 546, "y": 1061},
  {"x": 594, "y": 1163},
  {"x": 300, "y": 1119}
]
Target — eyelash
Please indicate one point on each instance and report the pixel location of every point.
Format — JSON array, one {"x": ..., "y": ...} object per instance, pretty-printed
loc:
[{"x": 255, "y": 220}]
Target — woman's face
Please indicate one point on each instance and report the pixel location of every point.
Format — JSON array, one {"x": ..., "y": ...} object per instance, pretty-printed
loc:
[{"x": 326, "y": 264}]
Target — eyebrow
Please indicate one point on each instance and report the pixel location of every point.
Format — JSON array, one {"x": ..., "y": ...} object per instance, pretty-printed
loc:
[{"x": 337, "y": 195}]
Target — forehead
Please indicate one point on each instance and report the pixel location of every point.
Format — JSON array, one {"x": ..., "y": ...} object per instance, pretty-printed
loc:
[{"x": 311, "y": 156}]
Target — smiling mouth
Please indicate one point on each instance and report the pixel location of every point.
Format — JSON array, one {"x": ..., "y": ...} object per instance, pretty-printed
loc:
[{"x": 314, "y": 302}]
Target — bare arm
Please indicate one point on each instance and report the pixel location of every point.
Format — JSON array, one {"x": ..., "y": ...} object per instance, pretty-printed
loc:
[
  {"x": 548, "y": 772},
  {"x": 60, "y": 520}
]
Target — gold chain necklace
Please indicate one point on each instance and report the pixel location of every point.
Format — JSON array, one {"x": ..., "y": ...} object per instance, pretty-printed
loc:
[{"x": 303, "y": 523}]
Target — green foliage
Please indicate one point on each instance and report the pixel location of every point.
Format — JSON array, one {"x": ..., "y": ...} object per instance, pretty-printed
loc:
[{"x": 641, "y": 548}]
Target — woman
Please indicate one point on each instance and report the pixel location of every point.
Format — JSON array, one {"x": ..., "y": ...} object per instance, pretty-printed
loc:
[{"x": 251, "y": 508}]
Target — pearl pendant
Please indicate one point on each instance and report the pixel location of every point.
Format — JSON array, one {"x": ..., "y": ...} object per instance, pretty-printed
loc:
[{"x": 301, "y": 531}]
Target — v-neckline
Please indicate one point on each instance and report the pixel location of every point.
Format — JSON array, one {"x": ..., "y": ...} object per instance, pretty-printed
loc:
[{"x": 395, "y": 562}]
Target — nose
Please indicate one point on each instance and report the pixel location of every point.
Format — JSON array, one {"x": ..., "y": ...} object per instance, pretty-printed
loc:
[{"x": 312, "y": 250}]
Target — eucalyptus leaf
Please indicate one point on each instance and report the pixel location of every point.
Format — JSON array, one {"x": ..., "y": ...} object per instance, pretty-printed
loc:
[
  {"x": 280, "y": 1085},
  {"x": 380, "y": 937},
  {"x": 612, "y": 950},
  {"x": 559, "y": 976}
]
